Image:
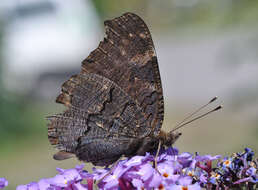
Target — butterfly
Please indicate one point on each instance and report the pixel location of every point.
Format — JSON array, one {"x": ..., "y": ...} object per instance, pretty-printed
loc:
[{"x": 115, "y": 104}]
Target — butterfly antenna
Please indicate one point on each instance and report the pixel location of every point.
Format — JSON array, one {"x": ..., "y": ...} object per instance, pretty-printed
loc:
[
  {"x": 196, "y": 111},
  {"x": 196, "y": 118}
]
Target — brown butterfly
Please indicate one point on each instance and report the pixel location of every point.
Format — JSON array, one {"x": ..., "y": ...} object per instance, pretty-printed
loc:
[{"x": 115, "y": 104}]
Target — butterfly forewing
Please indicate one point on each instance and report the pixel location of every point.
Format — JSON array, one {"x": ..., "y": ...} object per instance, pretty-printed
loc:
[{"x": 127, "y": 57}]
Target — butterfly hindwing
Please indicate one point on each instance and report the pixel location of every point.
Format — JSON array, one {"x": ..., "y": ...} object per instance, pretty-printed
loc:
[{"x": 97, "y": 109}]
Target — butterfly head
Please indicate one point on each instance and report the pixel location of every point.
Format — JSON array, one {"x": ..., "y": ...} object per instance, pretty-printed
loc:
[{"x": 169, "y": 138}]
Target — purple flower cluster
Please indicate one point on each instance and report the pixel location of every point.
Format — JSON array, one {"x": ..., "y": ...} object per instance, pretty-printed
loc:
[
  {"x": 174, "y": 171},
  {"x": 236, "y": 172},
  {"x": 70, "y": 179}
]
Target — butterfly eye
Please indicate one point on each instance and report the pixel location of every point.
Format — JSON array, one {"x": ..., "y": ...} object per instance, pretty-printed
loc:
[{"x": 152, "y": 144}]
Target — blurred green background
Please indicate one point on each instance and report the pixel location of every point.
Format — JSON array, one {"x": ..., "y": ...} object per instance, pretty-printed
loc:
[{"x": 205, "y": 48}]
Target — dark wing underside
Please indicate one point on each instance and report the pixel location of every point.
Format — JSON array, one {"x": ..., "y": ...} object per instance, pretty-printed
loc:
[
  {"x": 115, "y": 100},
  {"x": 127, "y": 57},
  {"x": 97, "y": 108}
]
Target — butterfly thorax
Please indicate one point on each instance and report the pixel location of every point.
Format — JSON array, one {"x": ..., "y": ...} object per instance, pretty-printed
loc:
[{"x": 150, "y": 144}]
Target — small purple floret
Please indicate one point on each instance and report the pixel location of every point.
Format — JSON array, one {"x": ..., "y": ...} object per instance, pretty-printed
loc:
[{"x": 3, "y": 183}]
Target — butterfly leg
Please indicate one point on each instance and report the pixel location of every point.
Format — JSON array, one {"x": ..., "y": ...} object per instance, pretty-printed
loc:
[
  {"x": 156, "y": 156},
  {"x": 113, "y": 167}
]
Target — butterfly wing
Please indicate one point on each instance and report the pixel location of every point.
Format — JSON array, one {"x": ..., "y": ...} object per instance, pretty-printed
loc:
[
  {"x": 99, "y": 115},
  {"x": 115, "y": 101},
  {"x": 127, "y": 57}
]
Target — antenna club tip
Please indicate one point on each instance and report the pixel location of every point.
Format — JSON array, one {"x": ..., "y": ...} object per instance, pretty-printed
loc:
[
  {"x": 218, "y": 108},
  {"x": 213, "y": 99}
]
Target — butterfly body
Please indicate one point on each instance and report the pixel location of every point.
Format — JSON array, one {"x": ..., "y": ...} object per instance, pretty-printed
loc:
[{"x": 115, "y": 104}]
